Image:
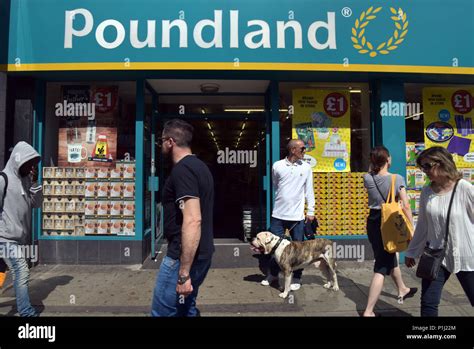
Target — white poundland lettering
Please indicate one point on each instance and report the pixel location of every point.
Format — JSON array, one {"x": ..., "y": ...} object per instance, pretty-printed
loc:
[
  {"x": 37, "y": 332},
  {"x": 258, "y": 34}
]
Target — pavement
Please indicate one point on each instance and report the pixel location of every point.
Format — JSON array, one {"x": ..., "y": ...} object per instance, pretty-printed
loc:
[{"x": 117, "y": 290}]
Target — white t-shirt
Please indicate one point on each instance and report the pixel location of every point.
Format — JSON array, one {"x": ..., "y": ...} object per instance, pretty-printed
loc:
[
  {"x": 293, "y": 182},
  {"x": 431, "y": 226}
]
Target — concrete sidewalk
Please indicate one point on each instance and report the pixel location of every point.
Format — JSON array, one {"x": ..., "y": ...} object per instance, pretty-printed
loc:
[{"x": 72, "y": 290}]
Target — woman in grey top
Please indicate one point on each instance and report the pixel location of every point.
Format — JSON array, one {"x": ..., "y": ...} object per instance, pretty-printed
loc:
[
  {"x": 439, "y": 166},
  {"x": 378, "y": 182}
]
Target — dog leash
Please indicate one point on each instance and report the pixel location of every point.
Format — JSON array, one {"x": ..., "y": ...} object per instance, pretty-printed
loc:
[{"x": 287, "y": 231}]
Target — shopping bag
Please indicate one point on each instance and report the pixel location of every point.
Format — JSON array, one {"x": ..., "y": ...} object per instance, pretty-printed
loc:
[
  {"x": 397, "y": 230},
  {"x": 3, "y": 271}
]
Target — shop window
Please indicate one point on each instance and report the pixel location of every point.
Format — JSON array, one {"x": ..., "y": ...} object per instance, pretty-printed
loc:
[
  {"x": 438, "y": 115},
  {"x": 333, "y": 120},
  {"x": 89, "y": 161}
]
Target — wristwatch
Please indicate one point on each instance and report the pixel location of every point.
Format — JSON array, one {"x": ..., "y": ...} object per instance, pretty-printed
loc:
[{"x": 182, "y": 279}]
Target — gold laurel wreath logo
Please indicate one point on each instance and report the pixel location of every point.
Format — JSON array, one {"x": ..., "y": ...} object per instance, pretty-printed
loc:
[{"x": 364, "y": 46}]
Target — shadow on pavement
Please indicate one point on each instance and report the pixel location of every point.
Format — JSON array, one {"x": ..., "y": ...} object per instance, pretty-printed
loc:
[
  {"x": 39, "y": 291},
  {"x": 352, "y": 290}
]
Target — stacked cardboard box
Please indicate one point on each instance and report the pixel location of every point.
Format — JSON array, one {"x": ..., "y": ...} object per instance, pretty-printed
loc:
[
  {"x": 63, "y": 204},
  {"x": 110, "y": 200},
  {"x": 89, "y": 201},
  {"x": 341, "y": 203}
]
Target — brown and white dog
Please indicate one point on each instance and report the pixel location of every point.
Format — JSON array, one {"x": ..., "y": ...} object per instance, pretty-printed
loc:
[{"x": 294, "y": 255}]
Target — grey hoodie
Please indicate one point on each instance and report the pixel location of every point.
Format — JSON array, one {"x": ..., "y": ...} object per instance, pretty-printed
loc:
[{"x": 22, "y": 195}]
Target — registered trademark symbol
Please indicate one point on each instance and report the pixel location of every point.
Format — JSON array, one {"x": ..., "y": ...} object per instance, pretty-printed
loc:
[{"x": 346, "y": 12}]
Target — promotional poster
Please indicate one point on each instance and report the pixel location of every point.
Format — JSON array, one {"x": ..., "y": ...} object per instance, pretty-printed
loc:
[
  {"x": 322, "y": 120},
  {"x": 448, "y": 116}
]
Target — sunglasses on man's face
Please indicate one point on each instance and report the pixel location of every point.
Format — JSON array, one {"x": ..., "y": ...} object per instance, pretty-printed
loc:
[
  {"x": 428, "y": 166},
  {"x": 303, "y": 149}
]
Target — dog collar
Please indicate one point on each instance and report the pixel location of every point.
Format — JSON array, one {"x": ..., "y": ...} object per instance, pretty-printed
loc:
[{"x": 276, "y": 246}]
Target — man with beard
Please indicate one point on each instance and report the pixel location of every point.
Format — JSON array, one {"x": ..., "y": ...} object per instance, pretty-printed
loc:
[{"x": 188, "y": 202}]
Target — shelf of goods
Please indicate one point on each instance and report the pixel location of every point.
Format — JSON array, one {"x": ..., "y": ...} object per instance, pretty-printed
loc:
[{"x": 89, "y": 201}]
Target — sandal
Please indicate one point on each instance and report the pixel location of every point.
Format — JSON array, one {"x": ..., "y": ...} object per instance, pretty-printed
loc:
[{"x": 410, "y": 294}]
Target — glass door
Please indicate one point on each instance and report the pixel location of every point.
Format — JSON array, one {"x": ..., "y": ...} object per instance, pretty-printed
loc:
[
  {"x": 230, "y": 136},
  {"x": 152, "y": 157}
]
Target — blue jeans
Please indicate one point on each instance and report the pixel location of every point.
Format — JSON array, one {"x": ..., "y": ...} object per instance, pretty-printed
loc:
[
  {"x": 431, "y": 290},
  {"x": 17, "y": 264},
  {"x": 166, "y": 301},
  {"x": 277, "y": 227}
]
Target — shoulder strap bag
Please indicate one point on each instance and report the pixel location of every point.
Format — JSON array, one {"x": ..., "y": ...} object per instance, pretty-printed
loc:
[{"x": 431, "y": 259}]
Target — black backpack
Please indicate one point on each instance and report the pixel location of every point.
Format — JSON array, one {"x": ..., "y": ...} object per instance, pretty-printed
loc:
[
  {"x": 3, "y": 174},
  {"x": 3, "y": 266}
]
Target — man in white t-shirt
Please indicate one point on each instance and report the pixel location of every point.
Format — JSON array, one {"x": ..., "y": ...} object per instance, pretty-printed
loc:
[{"x": 293, "y": 183}]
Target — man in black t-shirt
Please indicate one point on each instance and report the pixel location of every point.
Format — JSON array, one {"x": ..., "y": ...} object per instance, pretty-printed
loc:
[{"x": 188, "y": 200}]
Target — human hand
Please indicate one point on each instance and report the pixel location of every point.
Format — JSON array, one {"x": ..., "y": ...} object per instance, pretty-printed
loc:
[
  {"x": 410, "y": 262},
  {"x": 310, "y": 218},
  {"x": 34, "y": 173},
  {"x": 185, "y": 289}
]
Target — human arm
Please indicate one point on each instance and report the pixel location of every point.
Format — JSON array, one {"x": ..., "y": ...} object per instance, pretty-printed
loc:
[
  {"x": 470, "y": 202},
  {"x": 190, "y": 237},
  {"x": 405, "y": 204},
  {"x": 274, "y": 177},
  {"x": 309, "y": 195},
  {"x": 416, "y": 246},
  {"x": 36, "y": 189}
]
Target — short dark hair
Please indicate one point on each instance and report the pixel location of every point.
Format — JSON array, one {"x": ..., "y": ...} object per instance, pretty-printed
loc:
[
  {"x": 180, "y": 131},
  {"x": 378, "y": 158}
]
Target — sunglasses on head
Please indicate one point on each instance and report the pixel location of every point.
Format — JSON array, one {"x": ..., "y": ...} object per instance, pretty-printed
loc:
[{"x": 428, "y": 166}]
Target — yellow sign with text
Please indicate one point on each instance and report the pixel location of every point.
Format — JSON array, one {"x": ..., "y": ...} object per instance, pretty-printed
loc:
[
  {"x": 448, "y": 116},
  {"x": 322, "y": 120}
]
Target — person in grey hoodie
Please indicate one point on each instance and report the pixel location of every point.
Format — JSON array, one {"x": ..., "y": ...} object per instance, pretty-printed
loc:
[{"x": 23, "y": 194}]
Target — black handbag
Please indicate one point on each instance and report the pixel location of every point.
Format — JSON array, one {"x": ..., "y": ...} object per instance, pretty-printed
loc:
[{"x": 431, "y": 259}]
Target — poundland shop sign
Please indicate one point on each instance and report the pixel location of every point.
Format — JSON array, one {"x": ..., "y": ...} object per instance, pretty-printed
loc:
[{"x": 241, "y": 34}]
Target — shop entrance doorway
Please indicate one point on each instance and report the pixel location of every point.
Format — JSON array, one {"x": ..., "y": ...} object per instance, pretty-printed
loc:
[{"x": 231, "y": 135}]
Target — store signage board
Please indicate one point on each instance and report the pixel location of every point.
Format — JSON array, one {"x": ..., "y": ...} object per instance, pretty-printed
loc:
[{"x": 306, "y": 35}]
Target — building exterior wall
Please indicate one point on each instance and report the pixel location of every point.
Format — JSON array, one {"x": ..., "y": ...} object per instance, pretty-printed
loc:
[{"x": 380, "y": 45}]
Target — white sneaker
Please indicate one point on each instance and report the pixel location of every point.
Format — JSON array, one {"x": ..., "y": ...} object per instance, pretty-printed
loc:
[
  {"x": 295, "y": 287},
  {"x": 268, "y": 280},
  {"x": 296, "y": 284}
]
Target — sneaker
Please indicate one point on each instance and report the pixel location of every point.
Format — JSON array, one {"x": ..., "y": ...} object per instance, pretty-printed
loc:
[
  {"x": 296, "y": 284},
  {"x": 268, "y": 280},
  {"x": 295, "y": 287}
]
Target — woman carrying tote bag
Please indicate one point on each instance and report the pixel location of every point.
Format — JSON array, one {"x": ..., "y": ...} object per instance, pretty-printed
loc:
[
  {"x": 377, "y": 182},
  {"x": 431, "y": 228}
]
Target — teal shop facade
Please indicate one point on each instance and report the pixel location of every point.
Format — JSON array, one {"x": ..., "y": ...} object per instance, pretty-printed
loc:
[{"x": 230, "y": 68}]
